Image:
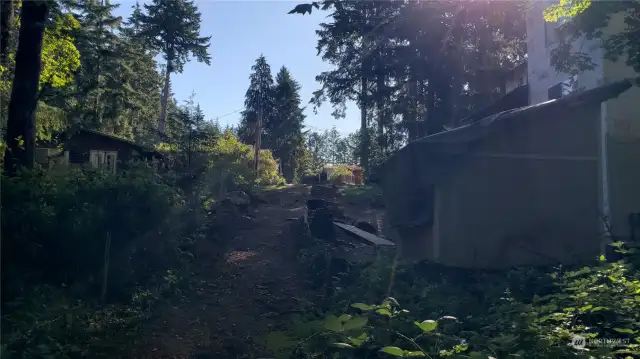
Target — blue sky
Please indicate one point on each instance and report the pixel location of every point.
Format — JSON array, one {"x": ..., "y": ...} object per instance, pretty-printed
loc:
[{"x": 240, "y": 31}]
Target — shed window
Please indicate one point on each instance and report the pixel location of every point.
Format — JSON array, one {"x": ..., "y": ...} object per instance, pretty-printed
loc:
[{"x": 104, "y": 159}]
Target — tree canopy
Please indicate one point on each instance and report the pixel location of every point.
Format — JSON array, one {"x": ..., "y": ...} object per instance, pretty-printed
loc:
[
  {"x": 414, "y": 66},
  {"x": 590, "y": 19}
]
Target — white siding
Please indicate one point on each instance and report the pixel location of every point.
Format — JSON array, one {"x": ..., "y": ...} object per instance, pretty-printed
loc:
[{"x": 541, "y": 74}]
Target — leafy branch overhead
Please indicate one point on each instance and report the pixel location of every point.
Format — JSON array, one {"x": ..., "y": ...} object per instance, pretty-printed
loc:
[{"x": 590, "y": 19}]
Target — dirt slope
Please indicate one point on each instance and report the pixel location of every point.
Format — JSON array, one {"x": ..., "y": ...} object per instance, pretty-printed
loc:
[{"x": 238, "y": 297}]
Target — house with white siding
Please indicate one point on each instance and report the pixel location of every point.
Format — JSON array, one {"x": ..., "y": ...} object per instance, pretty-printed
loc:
[{"x": 619, "y": 117}]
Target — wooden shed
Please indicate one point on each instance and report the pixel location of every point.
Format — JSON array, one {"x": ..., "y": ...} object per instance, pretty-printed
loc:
[
  {"x": 96, "y": 149},
  {"x": 520, "y": 187}
]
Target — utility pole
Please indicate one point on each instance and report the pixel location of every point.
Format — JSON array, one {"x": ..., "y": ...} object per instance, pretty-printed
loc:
[
  {"x": 364, "y": 69},
  {"x": 256, "y": 149}
]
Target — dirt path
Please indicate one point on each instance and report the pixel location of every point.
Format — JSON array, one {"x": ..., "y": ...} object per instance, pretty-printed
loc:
[{"x": 240, "y": 296}]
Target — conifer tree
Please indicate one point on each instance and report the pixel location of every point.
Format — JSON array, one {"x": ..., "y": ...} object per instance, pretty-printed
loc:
[
  {"x": 172, "y": 27},
  {"x": 259, "y": 98},
  {"x": 283, "y": 131}
]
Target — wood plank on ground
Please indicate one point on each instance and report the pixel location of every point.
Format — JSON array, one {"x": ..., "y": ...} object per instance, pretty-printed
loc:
[{"x": 371, "y": 238}]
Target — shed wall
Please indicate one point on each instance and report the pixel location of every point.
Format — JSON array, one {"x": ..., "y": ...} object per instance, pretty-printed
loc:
[
  {"x": 80, "y": 144},
  {"x": 624, "y": 183},
  {"x": 623, "y": 141},
  {"x": 528, "y": 195}
]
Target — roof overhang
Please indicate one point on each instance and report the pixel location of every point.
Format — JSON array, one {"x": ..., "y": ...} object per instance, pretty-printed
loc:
[{"x": 453, "y": 141}]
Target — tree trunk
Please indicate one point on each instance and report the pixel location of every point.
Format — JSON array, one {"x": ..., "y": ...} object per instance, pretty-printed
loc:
[
  {"x": 413, "y": 108},
  {"x": 165, "y": 99},
  {"x": 380, "y": 84},
  {"x": 24, "y": 94},
  {"x": 433, "y": 123},
  {"x": 6, "y": 19}
]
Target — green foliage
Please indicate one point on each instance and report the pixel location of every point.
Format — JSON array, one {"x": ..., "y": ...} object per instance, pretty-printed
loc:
[
  {"x": 566, "y": 8},
  {"x": 231, "y": 166},
  {"x": 329, "y": 146},
  {"x": 402, "y": 64},
  {"x": 590, "y": 19},
  {"x": 375, "y": 329},
  {"x": 60, "y": 57},
  {"x": 69, "y": 215},
  {"x": 284, "y": 131},
  {"x": 45, "y": 323},
  {"x": 339, "y": 171},
  {"x": 173, "y": 28},
  {"x": 268, "y": 173},
  {"x": 523, "y": 312},
  {"x": 258, "y": 100},
  {"x": 86, "y": 50},
  {"x": 363, "y": 194},
  {"x": 54, "y": 229},
  {"x": 189, "y": 138}
]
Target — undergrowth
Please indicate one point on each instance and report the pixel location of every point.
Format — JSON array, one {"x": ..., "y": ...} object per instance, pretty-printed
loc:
[
  {"x": 435, "y": 312},
  {"x": 89, "y": 258}
]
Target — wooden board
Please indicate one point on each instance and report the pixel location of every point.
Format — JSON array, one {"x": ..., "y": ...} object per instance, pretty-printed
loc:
[{"x": 371, "y": 238}]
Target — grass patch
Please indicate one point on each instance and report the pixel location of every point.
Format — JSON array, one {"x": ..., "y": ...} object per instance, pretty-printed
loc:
[
  {"x": 275, "y": 187},
  {"x": 358, "y": 194}
]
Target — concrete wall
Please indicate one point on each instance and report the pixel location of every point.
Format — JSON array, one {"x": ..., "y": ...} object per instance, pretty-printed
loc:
[
  {"x": 541, "y": 75},
  {"x": 527, "y": 196}
]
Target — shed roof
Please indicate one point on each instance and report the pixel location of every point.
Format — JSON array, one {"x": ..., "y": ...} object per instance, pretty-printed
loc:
[
  {"x": 480, "y": 124},
  {"x": 407, "y": 176}
]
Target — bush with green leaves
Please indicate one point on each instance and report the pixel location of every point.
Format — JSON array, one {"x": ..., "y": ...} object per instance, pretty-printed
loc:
[
  {"x": 372, "y": 331},
  {"x": 340, "y": 171},
  {"x": 231, "y": 166},
  {"x": 61, "y": 221},
  {"x": 45, "y": 322},
  {"x": 599, "y": 302},
  {"x": 519, "y": 313}
]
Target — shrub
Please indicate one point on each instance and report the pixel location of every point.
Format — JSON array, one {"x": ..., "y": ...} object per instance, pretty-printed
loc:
[
  {"x": 231, "y": 166},
  {"x": 55, "y": 225},
  {"x": 340, "y": 171},
  {"x": 520, "y": 313}
]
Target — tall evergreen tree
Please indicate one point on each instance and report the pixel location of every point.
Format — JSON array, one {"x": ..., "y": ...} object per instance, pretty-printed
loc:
[
  {"x": 173, "y": 28},
  {"x": 97, "y": 42},
  {"x": 414, "y": 66},
  {"x": 141, "y": 84},
  {"x": 283, "y": 130},
  {"x": 259, "y": 99}
]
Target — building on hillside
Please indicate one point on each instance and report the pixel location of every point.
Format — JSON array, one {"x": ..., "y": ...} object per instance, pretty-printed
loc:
[
  {"x": 94, "y": 149},
  {"x": 518, "y": 187},
  {"x": 356, "y": 177},
  {"x": 619, "y": 119}
]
